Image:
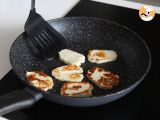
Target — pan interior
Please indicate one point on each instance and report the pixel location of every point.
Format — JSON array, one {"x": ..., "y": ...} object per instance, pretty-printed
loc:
[{"x": 83, "y": 34}]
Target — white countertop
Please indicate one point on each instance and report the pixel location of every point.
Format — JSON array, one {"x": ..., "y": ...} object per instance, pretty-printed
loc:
[{"x": 13, "y": 14}]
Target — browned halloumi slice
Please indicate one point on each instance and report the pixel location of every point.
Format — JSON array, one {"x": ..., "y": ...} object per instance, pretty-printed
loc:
[
  {"x": 72, "y": 73},
  {"x": 77, "y": 89},
  {"x": 40, "y": 80},
  {"x": 101, "y": 56},
  {"x": 102, "y": 78}
]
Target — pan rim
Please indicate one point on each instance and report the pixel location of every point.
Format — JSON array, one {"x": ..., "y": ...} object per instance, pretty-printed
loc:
[{"x": 99, "y": 96}]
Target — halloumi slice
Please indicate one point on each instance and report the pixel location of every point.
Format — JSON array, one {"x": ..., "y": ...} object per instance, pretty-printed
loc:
[
  {"x": 40, "y": 80},
  {"x": 71, "y": 57},
  {"x": 101, "y": 56},
  {"x": 74, "y": 89},
  {"x": 70, "y": 77},
  {"x": 102, "y": 78},
  {"x": 72, "y": 73}
]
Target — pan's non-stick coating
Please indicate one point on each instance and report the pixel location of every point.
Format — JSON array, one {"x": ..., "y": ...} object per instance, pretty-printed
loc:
[{"x": 83, "y": 34}]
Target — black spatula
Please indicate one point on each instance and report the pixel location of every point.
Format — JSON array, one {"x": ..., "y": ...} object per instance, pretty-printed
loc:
[{"x": 42, "y": 39}]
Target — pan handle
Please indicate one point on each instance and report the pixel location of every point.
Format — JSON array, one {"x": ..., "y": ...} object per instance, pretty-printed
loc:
[{"x": 18, "y": 99}]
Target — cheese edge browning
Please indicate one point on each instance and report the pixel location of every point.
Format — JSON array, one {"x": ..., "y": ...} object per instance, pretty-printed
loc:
[
  {"x": 39, "y": 83},
  {"x": 85, "y": 93},
  {"x": 103, "y": 79}
]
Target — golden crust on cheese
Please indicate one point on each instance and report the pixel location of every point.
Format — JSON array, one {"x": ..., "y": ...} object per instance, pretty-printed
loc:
[
  {"x": 72, "y": 73},
  {"x": 39, "y": 80},
  {"x": 71, "y": 67},
  {"x": 74, "y": 76},
  {"x": 101, "y": 56},
  {"x": 74, "y": 89},
  {"x": 102, "y": 78},
  {"x": 67, "y": 69}
]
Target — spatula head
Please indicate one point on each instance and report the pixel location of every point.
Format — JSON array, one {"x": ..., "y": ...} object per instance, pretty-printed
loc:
[{"x": 42, "y": 39}]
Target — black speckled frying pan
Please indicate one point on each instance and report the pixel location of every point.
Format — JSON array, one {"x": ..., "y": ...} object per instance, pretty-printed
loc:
[{"x": 81, "y": 34}]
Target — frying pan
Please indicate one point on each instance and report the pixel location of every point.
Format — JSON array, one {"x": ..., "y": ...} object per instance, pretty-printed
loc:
[{"x": 81, "y": 34}]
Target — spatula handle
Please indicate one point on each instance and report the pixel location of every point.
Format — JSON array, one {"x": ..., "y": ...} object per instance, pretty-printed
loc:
[{"x": 32, "y": 4}]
